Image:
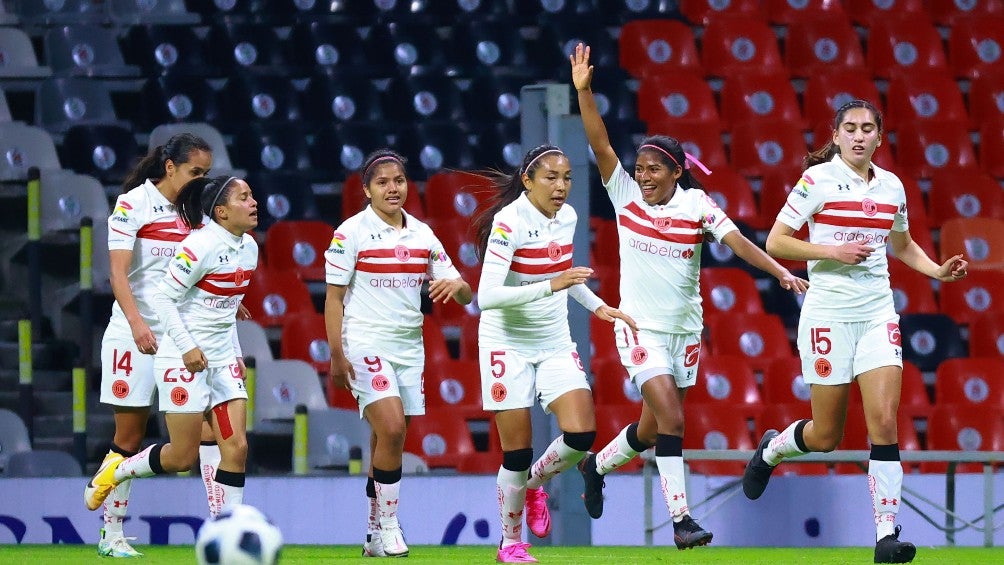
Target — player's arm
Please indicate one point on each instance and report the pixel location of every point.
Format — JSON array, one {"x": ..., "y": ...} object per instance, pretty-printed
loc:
[
  {"x": 446, "y": 280},
  {"x": 119, "y": 261},
  {"x": 334, "y": 315},
  {"x": 588, "y": 299},
  {"x": 596, "y": 131},
  {"x": 907, "y": 251},
  {"x": 182, "y": 273},
  {"x": 749, "y": 252}
]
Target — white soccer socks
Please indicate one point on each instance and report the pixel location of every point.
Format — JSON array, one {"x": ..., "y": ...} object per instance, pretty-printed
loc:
[{"x": 885, "y": 482}]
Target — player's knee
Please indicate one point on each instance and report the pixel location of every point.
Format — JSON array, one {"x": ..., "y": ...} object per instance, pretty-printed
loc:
[
  {"x": 235, "y": 449},
  {"x": 829, "y": 442},
  {"x": 579, "y": 441},
  {"x": 392, "y": 435}
]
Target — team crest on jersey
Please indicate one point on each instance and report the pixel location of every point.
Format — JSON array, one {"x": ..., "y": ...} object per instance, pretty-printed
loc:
[
  {"x": 869, "y": 207},
  {"x": 823, "y": 367},
  {"x": 402, "y": 253},
  {"x": 499, "y": 392},
  {"x": 662, "y": 224},
  {"x": 639, "y": 355},
  {"x": 122, "y": 209},
  {"x": 120, "y": 389},
  {"x": 179, "y": 396},
  {"x": 380, "y": 383},
  {"x": 187, "y": 256},
  {"x": 239, "y": 276},
  {"x": 553, "y": 251}
]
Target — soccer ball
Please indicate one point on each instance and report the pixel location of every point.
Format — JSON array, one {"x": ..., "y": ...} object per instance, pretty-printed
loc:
[{"x": 240, "y": 535}]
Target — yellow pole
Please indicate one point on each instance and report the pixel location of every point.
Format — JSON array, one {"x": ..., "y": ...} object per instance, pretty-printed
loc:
[{"x": 300, "y": 440}]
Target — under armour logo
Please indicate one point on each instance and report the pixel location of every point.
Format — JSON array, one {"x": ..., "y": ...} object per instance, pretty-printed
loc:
[
  {"x": 533, "y": 233},
  {"x": 376, "y": 236},
  {"x": 680, "y": 496},
  {"x": 843, "y": 187},
  {"x": 158, "y": 209},
  {"x": 224, "y": 258},
  {"x": 892, "y": 501}
]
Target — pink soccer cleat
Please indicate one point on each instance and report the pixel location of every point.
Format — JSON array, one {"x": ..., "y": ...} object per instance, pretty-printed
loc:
[
  {"x": 538, "y": 516},
  {"x": 515, "y": 553}
]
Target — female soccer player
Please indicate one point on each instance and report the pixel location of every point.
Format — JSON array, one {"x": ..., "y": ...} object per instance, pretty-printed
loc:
[
  {"x": 525, "y": 347},
  {"x": 663, "y": 208},
  {"x": 375, "y": 268},
  {"x": 848, "y": 329},
  {"x": 198, "y": 365}
]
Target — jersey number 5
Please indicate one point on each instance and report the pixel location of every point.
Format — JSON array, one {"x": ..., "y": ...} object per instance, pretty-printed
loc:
[{"x": 498, "y": 365}]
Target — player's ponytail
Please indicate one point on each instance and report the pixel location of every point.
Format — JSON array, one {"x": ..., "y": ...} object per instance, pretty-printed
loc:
[
  {"x": 154, "y": 165},
  {"x": 200, "y": 197}
]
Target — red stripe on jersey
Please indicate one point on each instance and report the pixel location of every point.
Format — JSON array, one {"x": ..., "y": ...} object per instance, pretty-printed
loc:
[
  {"x": 856, "y": 207},
  {"x": 161, "y": 231},
  {"x": 540, "y": 252},
  {"x": 692, "y": 238},
  {"x": 788, "y": 204},
  {"x": 221, "y": 290},
  {"x": 228, "y": 277},
  {"x": 499, "y": 256},
  {"x": 335, "y": 266},
  {"x": 121, "y": 232},
  {"x": 385, "y": 253},
  {"x": 677, "y": 222},
  {"x": 540, "y": 268},
  {"x": 853, "y": 222},
  {"x": 391, "y": 268}
]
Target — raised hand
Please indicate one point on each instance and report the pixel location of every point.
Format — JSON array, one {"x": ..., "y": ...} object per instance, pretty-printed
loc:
[{"x": 582, "y": 71}]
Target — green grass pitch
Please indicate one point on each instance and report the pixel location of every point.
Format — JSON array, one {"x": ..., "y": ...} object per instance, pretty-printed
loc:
[{"x": 311, "y": 554}]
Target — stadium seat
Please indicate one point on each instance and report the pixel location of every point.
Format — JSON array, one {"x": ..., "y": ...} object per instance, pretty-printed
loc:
[
  {"x": 975, "y": 44},
  {"x": 827, "y": 90},
  {"x": 161, "y": 49},
  {"x": 703, "y": 143},
  {"x": 42, "y": 463},
  {"x": 606, "y": 284},
  {"x": 914, "y": 401},
  {"x": 20, "y": 60},
  {"x": 616, "y": 99},
  {"x": 280, "y": 386},
  {"x": 783, "y": 382},
  {"x": 331, "y": 435},
  {"x": 610, "y": 420},
  {"x": 716, "y": 254},
  {"x": 757, "y": 338},
  {"x": 786, "y": 13},
  {"x": 970, "y": 381},
  {"x": 179, "y": 98},
  {"x": 709, "y": 427},
  {"x": 304, "y": 337},
  {"x": 950, "y": 12},
  {"x": 259, "y": 97},
  {"x": 436, "y": 350},
  {"x": 778, "y": 417},
  {"x": 728, "y": 384},
  {"x": 23, "y": 147},
  {"x": 612, "y": 386},
  {"x": 332, "y": 46},
  {"x": 449, "y": 12},
  {"x": 137, "y": 12},
  {"x": 106, "y": 152},
  {"x": 963, "y": 428},
  {"x": 977, "y": 294},
  {"x": 729, "y": 290},
  {"x": 856, "y": 437},
  {"x": 64, "y": 102},
  {"x": 272, "y": 146},
  {"x": 559, "y": 36},
  {"x": 5, "y": 116},
  {"x": 929, "y": 339},
  {"x": 211, "y": 135},
  {"x": 931, "y": 96},
  {"x": 981, "y": 240},
  {"x": 912, "y": 292},
  {"x": 275, "y": 296},
  {"x": 533, "y": 11},
  {"x": 445, "y": 440},
  {"x": 704, "y": 12},
  {"x": 992, "y": 146},
  {"x": 254, "y": 342},
  {"x": 13, "y": 436},
  {"x": 457, "y": 238},
  {"x": 282, "y": 196},
  {"x": 452, "y": 384},
  {"x": 986, "y": 336},
  {"x": 822, "y": 44},
  {"x": 753, "y": 96},
  {"x": 450, "y": 194},
  {"x": 924, "y": 147},
  {"x": 422, "y": 98},
  {"x": 238, "y": 47},
  {"x": 658, "y": 46},
  {"x": 756, "y": 149},
  {"x": 498, "y": 145},
  {"x": 336, "y": 95},
  {"x": 405, "y": 45},
  {"x": 735, "y": 44},
  {"x": 468, "y": 337},
  {"x": 964, "y": 193},
  {"x": 354, "y": 198},
  {"x": 905, "y": 44},
  {"x": 430, "y": 148},
  {"x": 298, "y": 246},
  {"x": 985, "y": 93},
  {"x": 67, "y": 198},
  {"x": 340, "y": 149},
  {"x": 733, "y": 194},
  {"x": 86, "y": 50},
  {"x": 867, "y": 13},
  {"x": 488, "y": 45},
  {"x": 680, "y": 98},
  {"x": 66, "y": 12},
  {"x": 495, "y": 97}
]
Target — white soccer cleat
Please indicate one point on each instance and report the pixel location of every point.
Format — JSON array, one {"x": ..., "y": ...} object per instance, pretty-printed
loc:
[
  {"x": 373, "y": 546},
  {"x": 116, "y": 546},
  {"x": 392, "y": 539}
]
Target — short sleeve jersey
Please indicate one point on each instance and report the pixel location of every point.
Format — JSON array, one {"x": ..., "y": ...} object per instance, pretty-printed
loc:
[
  {"x": 660, "y": 250},
  {"x": 208, "y": 278},
  {"x": 146, "y": 223},
  {"x": 842, "y": 207},
  {"x": 384, "y": 269},
  {"x": 529, "y": 247}
]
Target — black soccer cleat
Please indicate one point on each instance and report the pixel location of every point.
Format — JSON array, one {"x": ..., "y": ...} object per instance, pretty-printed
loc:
[
  {"x": 890, "y": 550},
  {"x": 758, "y": 472},
  {"x": 687, "y": 534},
  {"x": 592, "y": 494}
]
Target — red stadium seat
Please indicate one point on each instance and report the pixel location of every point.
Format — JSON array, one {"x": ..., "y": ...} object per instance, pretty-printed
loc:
[
  {"x": 726, "y": 382},
  {"x": 710, "y": 427},
  {"x": 354, "y": 198},
  {"x": 735, "y": 44},
  {"x": 867, "y": 13},
  {"x": 924, "y": 147},
  {"x": 828, "y": 90},
  {"x": 757, "y": 149},
  {"x": 970, "y": 381},
  {"x": 457, "y": 238},
  {"x": 963, "y": 428},
  {"x": 451, "y": 384},
  {"x": 975, "y": 45},
  {"x": 298, "y": 246},
  {"x": 912, "y": 292},
  {"x": 759, "y": 96},
  {"x": 933, "y": 96},
  {"x": 451, "y": 194},
  {"x": 787, "y": 13},
  {"x": 905, "y": 44},
  {"x": 444, "y": 439},
  {"x": 992, "y": 147},
  {"x": 703, "y": 12},
  {"x": 729, "y": 290},
  {"x": 604, "y": 341},
  {"x": 304, "y": 337},
  {"x": 703, "y": 143},
  {"x": 606, "y": 284},
  {"x": 783, "y": 382},
  {"x": 469, "y": 338},
  {"x": 981, "y": 240},
  {"x": 680, "y": 98},
  {"x": 603, "y": 245},
  {"x": 613, "y": 387},
  {"x": 660, "y": 46},
  {"x": 986, "y": 336},
  {"x": 610, "y": 420},
  {"x": 733, "y": 194},
  {"x": 779, "y": 417},
  {"x": 914, "y": 401},
  {"x": 856, "y": 437},
  {"x": 950, "y": 12},
  {"x": 824, "y": 44},
  {"x": 965, "y": 193},
  {"x": 979, "y": 293},
  {"x": 986, "y": 100},
  {"x": 758, "y": 338},
  {"x": 274, "y": 296},
  {"x": 436, "y": 350}
]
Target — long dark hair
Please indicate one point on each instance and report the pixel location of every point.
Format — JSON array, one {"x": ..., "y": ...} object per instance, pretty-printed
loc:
[
  {"x": 827, "y": 152},
  {"x": 381, "y": 155},
  {"x": 508, "y": 187},
  {"x": 671, "y": 153},
  {"x": 200, "y": 197},
  {"x": 178, "y": 149}
]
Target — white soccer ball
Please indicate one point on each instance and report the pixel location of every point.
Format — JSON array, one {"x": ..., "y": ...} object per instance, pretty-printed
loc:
[{"x": 240, "y": 535}]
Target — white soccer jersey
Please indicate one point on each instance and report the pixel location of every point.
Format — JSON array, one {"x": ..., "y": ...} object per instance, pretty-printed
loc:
[
  {"x": 384, "y": 269},
  {"x": 198, "y": 297},
  {"x": 146, "y": 223},
  {"x": 525, "y": 251},
  {"x": 842, "y": 207},
  {"x": 660, "y": 249}
]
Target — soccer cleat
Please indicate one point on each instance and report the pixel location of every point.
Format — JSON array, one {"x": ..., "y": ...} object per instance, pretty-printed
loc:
[
  {"x": 538, "y": 516},
  {"x": 101, "y": 485},
  {"x": 373, "y": 547},
  {"x": 757, "y": 470},
  {"x": 687, "y": 534},
  {"x": 116, "y": 546},
  {"x": 592, "y": 494},
  {"x": 890, "y": 550},
  {"x": 392, "y": 541},
  {"x": 515, "y": 553}
]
